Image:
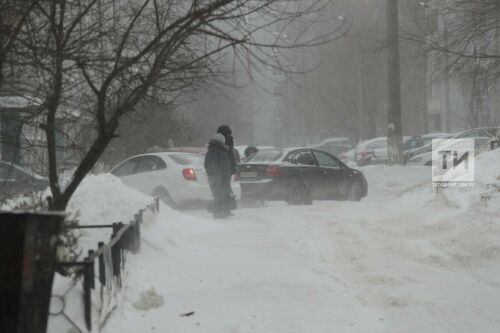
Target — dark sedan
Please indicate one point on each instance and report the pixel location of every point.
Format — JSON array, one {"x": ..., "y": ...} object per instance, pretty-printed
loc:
[{"x": 299, "y": 176}]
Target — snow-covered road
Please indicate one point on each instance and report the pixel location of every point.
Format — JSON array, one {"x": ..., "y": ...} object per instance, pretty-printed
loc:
[{"x": 403, "y": 260}]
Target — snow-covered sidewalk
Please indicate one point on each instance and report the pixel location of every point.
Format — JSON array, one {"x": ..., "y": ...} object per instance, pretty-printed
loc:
[{"x": 403, "y": 260}]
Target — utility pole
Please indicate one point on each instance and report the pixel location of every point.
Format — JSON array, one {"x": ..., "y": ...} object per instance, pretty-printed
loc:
[
  {"x": 361, "y": 99},
  {"x": 447, "y": 100},
  {"x": 496, "y": 85},
  {"x": 394, "y": 131}
]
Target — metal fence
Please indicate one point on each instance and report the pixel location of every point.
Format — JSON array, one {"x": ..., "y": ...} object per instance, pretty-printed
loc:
[{"x": 104, "y": 265}]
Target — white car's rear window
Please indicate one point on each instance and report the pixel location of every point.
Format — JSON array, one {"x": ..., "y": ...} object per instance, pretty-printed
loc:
[{"x": 187, "y": 159}]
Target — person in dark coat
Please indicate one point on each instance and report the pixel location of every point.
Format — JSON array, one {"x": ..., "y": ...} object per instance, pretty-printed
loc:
[
  {"x": 218, "y": 167},
  {"x": 234, "y": 158}
]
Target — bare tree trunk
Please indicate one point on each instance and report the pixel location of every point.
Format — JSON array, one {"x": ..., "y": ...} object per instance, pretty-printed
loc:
[
  {"x": 372, "y": 125},
  {"x": 394, "y": 135},
  {"x": 425, "y": 111},
  {"x": 496, "y": 85},
  {"x": 54, "y": 100},
  {"x": 60, "y": 202},
  {"x": 361, "y": 100},
  {"x": 1, "y": 72},
  {"x": 447, "y": 84}
]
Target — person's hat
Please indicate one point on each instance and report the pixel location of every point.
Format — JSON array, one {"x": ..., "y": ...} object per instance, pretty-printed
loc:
[{"x": 219, "y": 138}]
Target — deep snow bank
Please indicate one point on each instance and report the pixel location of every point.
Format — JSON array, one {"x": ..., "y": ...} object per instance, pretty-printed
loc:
[
  {"x": 481, "y": 197},
  {"x": 103, "y": 199},
  {"x": 485, "y": 193},
  {"x": 412, "y": 185},
  {"x": 393, "y": 181},
  {"x": 100, "y": 199}
]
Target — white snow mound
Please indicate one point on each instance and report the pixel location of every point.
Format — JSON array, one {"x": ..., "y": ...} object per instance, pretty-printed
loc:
[
  {"x": 148, "y": 300},
  {"x": 104, "y": 199}
]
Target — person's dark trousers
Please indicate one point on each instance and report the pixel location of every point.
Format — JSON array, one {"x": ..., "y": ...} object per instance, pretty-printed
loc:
[
  {"x": 219, "y": 189},
  {"x": 218, "y": 207}
]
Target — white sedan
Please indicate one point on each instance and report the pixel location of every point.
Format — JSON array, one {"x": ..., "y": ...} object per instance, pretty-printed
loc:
[
  {"x": 176, "y": 178},
  {"x": 373, "y": 151},
  {"x": 421, "y": 159},
  {"x": 425, "y": 157}
]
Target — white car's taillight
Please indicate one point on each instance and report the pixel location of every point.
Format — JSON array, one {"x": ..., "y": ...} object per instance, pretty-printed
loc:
[{"x": 189, "y": 174}]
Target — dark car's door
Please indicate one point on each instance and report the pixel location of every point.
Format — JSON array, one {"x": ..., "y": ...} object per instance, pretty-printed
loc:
[
  {"x": 333, "y": 175},
  {"x": 309, "y": 171}
]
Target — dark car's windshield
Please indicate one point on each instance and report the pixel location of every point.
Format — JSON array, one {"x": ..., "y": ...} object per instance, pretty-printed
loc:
[{"x": 266, "y": 156}]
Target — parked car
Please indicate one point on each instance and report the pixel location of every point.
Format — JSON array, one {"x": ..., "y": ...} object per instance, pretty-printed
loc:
[
  {"x": 14, "y": 181},
  {"x": 348, "y": 156},
  {"x": 481, "y": 136},
  {"x": 481, "y": 132},
  {"x": 425, "y": 159},
  {"x": 334, "y": 148},
  {"x": 339, "y": 141},
  {"x": 374, "y": 151},
  {"x": 177, "y": 178},
  {"x": 421, "y": 140},
  {"x": 299, "y": 176},
  {"x": 414, "y": 146},
  {"x": 371, "y": 151}
]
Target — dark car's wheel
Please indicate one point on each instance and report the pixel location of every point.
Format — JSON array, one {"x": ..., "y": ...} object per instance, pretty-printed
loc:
[
  {"x": 298, "y": 195},
  {"x": 164, "y": 196},
  {"x": 355, "y": 192}
]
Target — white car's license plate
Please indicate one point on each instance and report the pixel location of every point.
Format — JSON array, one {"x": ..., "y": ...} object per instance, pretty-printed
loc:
[{"x": 249, "y": 174}]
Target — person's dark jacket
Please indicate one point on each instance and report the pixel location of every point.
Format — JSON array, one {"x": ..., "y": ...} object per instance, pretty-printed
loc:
[
  {"x": 217, "y": 162},
  {"x": 234, "y": 156}
]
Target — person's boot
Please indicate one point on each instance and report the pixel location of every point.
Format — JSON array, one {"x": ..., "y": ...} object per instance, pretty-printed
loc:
[
  {"x": 218, "y": 211},
  {"x": 225, "y": 208}
]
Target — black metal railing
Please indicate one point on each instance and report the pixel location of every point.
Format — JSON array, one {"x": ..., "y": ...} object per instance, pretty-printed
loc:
[{"x": 110, "y": 259}]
